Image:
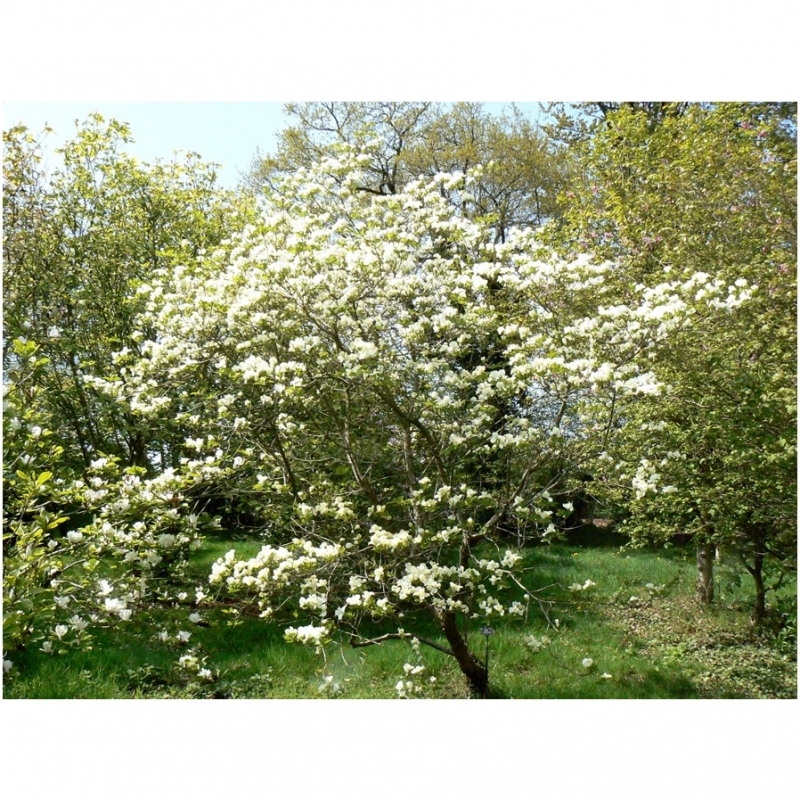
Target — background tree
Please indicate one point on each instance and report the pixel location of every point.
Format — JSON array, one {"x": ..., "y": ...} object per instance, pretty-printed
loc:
[
  {"x": 406, "y": 141},
  {"x": 387, "y": 130},
  {"x": 709, "y": 189},
  {"x": 75, "y": 245},
  {"x": 523, "y": 172}
]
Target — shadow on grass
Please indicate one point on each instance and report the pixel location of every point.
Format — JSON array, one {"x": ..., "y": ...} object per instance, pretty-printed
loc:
[
  {"x": 595, "y": 536},
  {"x": 654, "y": 685}
]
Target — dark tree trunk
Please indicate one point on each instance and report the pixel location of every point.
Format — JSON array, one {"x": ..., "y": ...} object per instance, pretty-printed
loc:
[
  {"x": 137, "y": 451},
  {"x": 705, "y": 573},
  {"x": 757, "y": 571},
  {"x": 476, "y": 673}
]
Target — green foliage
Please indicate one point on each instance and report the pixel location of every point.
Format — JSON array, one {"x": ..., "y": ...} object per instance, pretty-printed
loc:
[
  {"x": 37, "y": 490},
  {"x": 709, "y": 189},
  {"x": 80, "y": 550}
]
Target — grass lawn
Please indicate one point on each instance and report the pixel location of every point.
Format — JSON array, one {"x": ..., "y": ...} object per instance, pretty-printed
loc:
[{"x": 639, "y": 625}]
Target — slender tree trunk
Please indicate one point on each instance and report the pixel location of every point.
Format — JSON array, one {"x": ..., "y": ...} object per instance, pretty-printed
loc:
[
  {"x": 476, "y": 673},
  {"x": 705, "y": 573},
  {"x": 757, "y": 571}
]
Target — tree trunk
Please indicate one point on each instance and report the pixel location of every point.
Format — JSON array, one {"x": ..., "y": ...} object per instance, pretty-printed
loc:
[
  {"x": 757, "y": 571},
  {"x": 477, "y": 674},
  {"x": 705, "y": 573}
]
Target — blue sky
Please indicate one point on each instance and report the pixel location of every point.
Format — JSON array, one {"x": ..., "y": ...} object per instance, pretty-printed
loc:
[{"x": 226, "y": 133}]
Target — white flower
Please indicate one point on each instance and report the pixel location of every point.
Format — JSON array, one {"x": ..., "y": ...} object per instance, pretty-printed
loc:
[
  {"x": 329, "y": 685},
  {"x": 74, "y": 536},
  {"x": 532, "y": 643},
  {"x": 7, "y": 665},
  {"x": 61, "y": 602},
  {"x": 47, "y": 647},
  {"x": 605, "y": 675},
  {"x": 78, "y": 623},
  {"x": 587, "y": 662},
  {"x": 125, "y": 614},
  {"x": 205, "y": 674},
  {"x": 113, "y": 605},
  {"x": 61, "y": 630},
  {"x": 195, "y": 617},
  {"x": 306, "y": 634},
  {"x": 36, "y": 431},
  {"x": 163, "y": 636},
  {"x": 183, "y": 636}
]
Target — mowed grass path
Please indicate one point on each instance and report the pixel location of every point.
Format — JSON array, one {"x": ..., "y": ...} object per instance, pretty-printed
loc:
[{"x": 637, "y": 633}]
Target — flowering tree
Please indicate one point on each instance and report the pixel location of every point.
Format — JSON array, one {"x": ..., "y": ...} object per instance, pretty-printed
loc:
[
  {"x": 390, "y": 389},
  {"x": 75, "y": 243}
]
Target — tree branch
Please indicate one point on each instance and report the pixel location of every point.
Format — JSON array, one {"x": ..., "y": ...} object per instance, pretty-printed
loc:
[{"x": 354, "y": 642}]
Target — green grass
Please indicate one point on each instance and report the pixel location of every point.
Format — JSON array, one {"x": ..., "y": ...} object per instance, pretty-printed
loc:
[{"x": 640, "y": 625}]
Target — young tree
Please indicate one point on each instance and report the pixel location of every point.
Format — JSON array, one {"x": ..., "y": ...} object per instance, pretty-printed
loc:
[{"x": 338, "y": 363}]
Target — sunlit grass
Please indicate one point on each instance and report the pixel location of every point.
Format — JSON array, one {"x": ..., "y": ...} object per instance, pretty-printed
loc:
[{"x": 635, "y": 633}]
